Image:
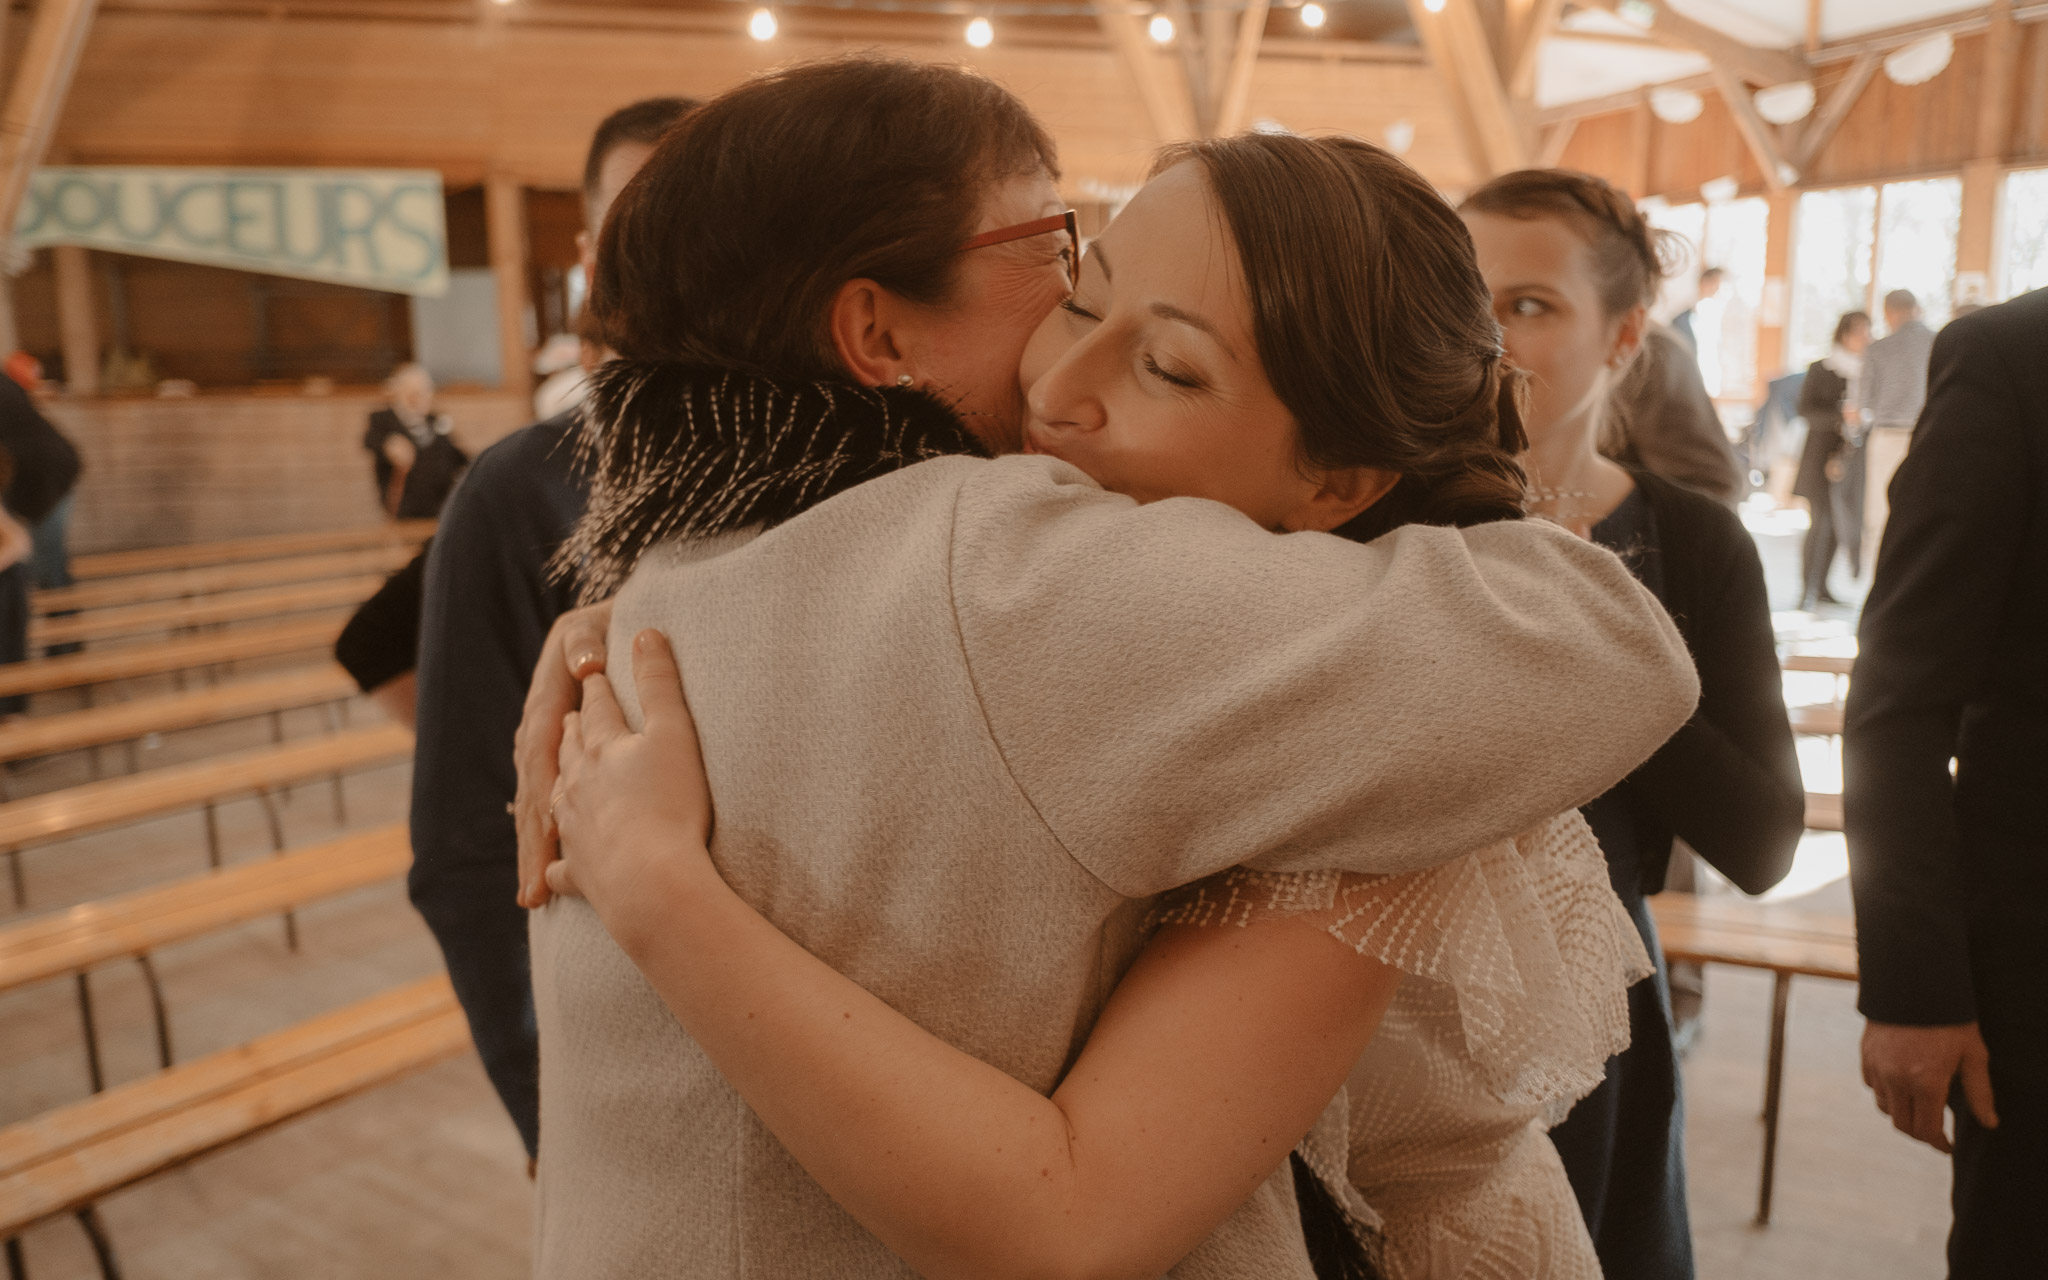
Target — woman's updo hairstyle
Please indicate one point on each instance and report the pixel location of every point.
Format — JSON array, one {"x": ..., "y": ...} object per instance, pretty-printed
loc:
[
  {"x": 728, "y": 246},
  {"x": 1373, "y": 323},
  {"x": 1631, "y": 258}
]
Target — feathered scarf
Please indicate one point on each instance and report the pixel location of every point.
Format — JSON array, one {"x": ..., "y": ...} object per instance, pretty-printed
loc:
[{"x": 686, "y": 451}]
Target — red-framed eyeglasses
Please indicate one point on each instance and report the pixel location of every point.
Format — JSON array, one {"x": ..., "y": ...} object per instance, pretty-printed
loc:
[{"x": 1069, "y": 222}]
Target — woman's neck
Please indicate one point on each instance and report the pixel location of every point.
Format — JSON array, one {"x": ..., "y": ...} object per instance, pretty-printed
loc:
[{"x": 1570, "y": 482}]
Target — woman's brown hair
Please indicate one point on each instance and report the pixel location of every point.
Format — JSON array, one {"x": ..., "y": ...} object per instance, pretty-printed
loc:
[
  {"x": 1630, "y": 257},
  {"x": 1374, "y": 325},
  {"x": 727, "y": 248}
]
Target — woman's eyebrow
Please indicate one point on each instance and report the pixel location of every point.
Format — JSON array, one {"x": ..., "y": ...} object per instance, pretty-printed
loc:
[{"x": 1167, "y": 311}]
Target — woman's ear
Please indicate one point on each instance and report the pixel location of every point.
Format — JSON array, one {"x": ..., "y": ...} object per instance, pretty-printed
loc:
[
  {"x": 1628, "y": 336},
  {"x": 1340, "y": 494},
  {"x": 864, "y": 323}
]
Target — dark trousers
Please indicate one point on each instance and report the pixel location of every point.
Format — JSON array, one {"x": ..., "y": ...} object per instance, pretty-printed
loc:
[
  {"x": 14, "y": 614},
  {"x": 1623, "y": 1145},
  {"x": 2001, "y": 1175},
  {"x": 1821, "y": 544},
  {"x": 1845, "y": 497}
]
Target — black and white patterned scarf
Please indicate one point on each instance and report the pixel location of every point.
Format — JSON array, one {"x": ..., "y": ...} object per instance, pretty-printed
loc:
[{"x": 686, "y": 451}]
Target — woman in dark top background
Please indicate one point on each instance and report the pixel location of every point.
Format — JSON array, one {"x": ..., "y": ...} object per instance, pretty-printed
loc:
[
  {"x": 1821, "y": 398},
  {"x": 1573, "y": 268}
]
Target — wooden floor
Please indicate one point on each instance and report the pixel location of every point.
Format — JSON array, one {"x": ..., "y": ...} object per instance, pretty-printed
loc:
[{"x": 426, "y": 1179}]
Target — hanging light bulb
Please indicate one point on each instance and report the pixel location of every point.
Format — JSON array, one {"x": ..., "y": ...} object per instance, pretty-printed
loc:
[
  {"x": 1161, "y": 29},
  {"x": 1312, "y": 15},
  {"x": 981, "y": 33},
  {"x": 1434, "y": 6},
  {"x": 762, "y": 25}
]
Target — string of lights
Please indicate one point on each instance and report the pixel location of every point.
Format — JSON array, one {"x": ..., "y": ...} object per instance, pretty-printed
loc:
[{"x": 980, "y": 29}]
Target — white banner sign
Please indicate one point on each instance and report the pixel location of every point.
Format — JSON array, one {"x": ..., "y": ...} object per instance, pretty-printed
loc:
[{"x": 373, "y": 228}]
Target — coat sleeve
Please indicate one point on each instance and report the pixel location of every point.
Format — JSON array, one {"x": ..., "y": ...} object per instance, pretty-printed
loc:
[
  {"x": 1945, "y": 574},
  {"x": 1728, "y": 783},
  {"x": 1176, "y": 690}
]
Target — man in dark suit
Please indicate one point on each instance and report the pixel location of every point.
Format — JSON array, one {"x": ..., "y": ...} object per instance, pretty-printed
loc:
[{"x": 1950, "y": 872}]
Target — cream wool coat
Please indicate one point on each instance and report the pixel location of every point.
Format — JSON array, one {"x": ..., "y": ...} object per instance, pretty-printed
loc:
[{"x": 963, "y": 722}]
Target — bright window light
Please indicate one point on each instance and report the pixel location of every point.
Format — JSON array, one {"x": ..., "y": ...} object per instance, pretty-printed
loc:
[
  {"x": 762, "y": 25},
  {"x": 981, "y": 33},
  {"x": 1161, "y": 29},
  {"x": 1312, "y": 15},
  {"x": 1434, "y": 6}
]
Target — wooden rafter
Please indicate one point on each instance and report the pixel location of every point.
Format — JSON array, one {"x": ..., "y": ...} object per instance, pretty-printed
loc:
[
  {"x": 1555, "y": 139},
  {"x": 1236, "y": 99},
  {"x": 49, "y": 57},
  {"x": 1539, "y": 21},
  {"x": 1756, "y": 132},
  {"x": 1166, "y": 106},
  {"x": 1749, "y": 62},
  {"x": 1822, "y": 125},
  {"x": 1456, "y": 39},
  {"x": 1191, "y": 45}
]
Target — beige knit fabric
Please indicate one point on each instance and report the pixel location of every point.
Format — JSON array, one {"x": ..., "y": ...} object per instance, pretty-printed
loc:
[
  {"x": 1517, "y": 961},
  {"x": 961, "y": 724}
]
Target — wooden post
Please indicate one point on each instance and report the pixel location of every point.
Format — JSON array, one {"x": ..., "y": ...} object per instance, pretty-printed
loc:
[
  {"x": 1236, "y": 99},
  {"x": 77, "y": 328},
  {"x": 1171, "y": 113},
  {"x": 505, "y": 227},
  {"x": 1978, "y": 229},
  {"x": 1777, "y": 305}
]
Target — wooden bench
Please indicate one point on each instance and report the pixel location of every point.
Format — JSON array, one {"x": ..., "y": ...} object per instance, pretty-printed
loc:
[
  {"x": 40, "y": 675},
  {"x": 1823, "y": 811},
  {"x": 110, "y": 564},
  {"x": 260, "y": 604},
  {"x": 75, "y": 940},
  {"x": 95, "y": 806},
  {"x": 1758, "y": 935},
  {"x": 29, "y": 737},
  {"x": 175, "y": 583},
  {"x": 1826, "y": 663},
  {"x": 64, "y": 1160}
]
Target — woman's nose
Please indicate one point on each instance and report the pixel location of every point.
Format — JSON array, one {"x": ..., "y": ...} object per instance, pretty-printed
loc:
[{"x": 1068, "y": 397}]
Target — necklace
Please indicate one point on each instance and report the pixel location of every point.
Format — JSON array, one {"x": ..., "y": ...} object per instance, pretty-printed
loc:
[{"x": 1542, "y": 493}]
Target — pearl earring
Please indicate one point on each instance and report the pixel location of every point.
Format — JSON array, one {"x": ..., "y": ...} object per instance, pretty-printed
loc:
[{"x": 904, "y": 379}]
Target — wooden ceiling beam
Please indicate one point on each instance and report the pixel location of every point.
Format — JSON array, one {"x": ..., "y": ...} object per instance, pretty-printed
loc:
[
  {"x": 1750, "y": 62},
  {"x": 42, "y": 79},
  {"x": 1166, "y": 105},
  {"x": 1823, "y": 124},
  {"x": 1495, "y": 134},
  {"x": 1756, "y": 132},
  {"x": 1235, "y": 102},
  {"x": 1539, "y": 22}
]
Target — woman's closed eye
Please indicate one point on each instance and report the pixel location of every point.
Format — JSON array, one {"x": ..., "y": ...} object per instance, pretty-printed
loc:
[{"x": 1183, "y": 380}]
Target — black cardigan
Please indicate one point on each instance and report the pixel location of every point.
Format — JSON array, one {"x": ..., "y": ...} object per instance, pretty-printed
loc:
[{"x": 1728, "y": 782}]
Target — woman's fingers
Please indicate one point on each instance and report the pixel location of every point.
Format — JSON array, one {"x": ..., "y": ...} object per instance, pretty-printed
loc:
[
  {"x": 562, "y": 880},
  {"x": 583, "y": 638},
  {"x": 602, "y": 718},
  {"x": 659, "y": 682}
]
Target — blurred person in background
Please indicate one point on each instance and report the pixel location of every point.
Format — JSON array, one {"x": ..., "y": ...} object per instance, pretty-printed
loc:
[
  {"x": 1822, "y": 400},
  {"x": 43, "y": 477},
  {"x": 1889, "y": 395},
  {"x": 1945, "y": 772},
  {"x": 1661, "y": 419},
  {"x": 1573, "y": 267},
  {"x": 412, "y": 450}
]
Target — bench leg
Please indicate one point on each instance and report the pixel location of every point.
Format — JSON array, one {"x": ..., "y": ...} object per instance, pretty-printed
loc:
[
  {"x": 1774, "y": 1081},
  {"x": 340, "y": 804},
  {"x": 212, "y": 836},
  {"x": 14, "y": 877},
  {"x": 277, "y": 740},
  {"x": 102, "y": 1248},
  {"x": 276, "y": 821},
  {"x": 92, "y": 1034},
  {"x": 156, "y": 1004}
]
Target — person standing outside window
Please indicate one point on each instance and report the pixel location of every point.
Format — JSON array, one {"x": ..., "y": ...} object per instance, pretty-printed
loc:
[{"x": 1945, "y": 770}]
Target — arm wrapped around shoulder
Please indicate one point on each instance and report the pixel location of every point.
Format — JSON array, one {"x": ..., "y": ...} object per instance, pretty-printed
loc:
[{"x": 1178, "y": 690}]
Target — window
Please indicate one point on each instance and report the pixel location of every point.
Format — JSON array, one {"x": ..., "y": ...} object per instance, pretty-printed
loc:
[
  {"x": 1853, "y": 245},
  {"x": 1729, "y": 235},
  {"x": 2023, "y": 260},
  {"x": 1834, "y": 235},
  {"x": 1916, "y": 243}
]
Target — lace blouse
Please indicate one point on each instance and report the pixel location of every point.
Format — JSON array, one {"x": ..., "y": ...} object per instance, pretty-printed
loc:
[{"x": 1515, "y": 962}]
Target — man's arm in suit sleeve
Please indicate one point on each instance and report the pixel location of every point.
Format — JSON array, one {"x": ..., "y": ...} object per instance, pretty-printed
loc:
[{"x": 1944, "y": 576}]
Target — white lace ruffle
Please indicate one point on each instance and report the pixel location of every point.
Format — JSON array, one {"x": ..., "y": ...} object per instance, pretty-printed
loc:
[{"x": 1527, "y": 936}]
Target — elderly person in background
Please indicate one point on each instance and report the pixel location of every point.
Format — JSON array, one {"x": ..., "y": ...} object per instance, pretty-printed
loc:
[
  {"x": 1823, "y": 397},
  {"x": 1950, "y": 869},
  {"x": 411, "y": 450}
]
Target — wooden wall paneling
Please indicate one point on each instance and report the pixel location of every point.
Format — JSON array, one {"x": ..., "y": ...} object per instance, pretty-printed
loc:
[
  {"x": 2030, "y": 118},
  {"x": 1984, "y": 175},
  {"x": 1898, "y": 131},
  {"x": 505, "y": 219},
  {"x": 1317, "y": 96},
  {"x": 1839, "y": 91},
  {"x": 1710, "y": 147},
  {"x": 1605, "y": 145},
  {"x": 77, "y": 325}
]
